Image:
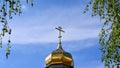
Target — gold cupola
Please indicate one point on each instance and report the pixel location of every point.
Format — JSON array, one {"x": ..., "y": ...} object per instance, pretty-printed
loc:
[{"x": 59, "y": 57}]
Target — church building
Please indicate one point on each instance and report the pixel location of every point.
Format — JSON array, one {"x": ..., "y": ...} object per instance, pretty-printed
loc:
[{"x": 59, "y": 58}]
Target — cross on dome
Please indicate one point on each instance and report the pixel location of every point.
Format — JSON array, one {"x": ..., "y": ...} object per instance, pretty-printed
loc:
[{"x": 60, "y": 31}]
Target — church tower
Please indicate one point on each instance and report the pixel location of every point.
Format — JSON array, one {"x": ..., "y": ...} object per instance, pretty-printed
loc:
[{"x": 59, "y": 58}]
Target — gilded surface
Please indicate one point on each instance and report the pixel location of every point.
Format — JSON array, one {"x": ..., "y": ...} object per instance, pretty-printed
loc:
[{"x": 59, "y": 56}]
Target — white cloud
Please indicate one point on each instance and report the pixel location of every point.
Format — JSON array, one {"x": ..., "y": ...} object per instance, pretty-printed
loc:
[
  {"x": 24, "y": 7},
  {"x": 48, "y": 34},
  {"x": 39, "y": 27},
  {"x": 80, "y": 33},
  {"x": 78, "y": 45}
]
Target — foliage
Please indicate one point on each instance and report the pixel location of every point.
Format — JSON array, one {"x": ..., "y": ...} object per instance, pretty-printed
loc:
[
  {"x": 109, "y": 11},
  {"x": 9, "y": 8}
]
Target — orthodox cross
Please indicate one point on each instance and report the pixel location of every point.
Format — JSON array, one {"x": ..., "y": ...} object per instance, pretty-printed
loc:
[{"x": 60, "y": 30}]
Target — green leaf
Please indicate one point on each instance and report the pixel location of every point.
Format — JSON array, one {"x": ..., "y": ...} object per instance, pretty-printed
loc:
[{"x": 26, "y": 1}]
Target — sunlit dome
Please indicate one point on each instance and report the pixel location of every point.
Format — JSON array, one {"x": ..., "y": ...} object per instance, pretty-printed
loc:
[{"x": 59, "y": 58}]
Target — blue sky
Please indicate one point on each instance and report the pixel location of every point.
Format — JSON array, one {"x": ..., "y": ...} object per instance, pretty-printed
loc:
[{"x": 34, "y": 35}]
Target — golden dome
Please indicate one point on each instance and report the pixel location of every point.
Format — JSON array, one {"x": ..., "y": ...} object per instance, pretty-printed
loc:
[{"x": 59, "y": 57}]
